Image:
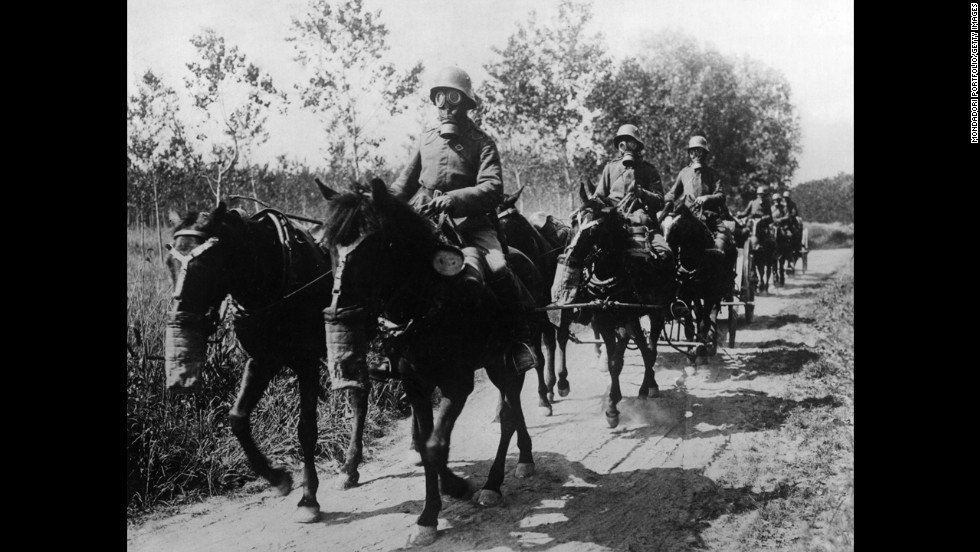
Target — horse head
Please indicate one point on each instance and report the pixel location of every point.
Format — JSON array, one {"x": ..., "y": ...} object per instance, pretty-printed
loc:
[
  {"x": 599, "y": 233},
  {"x": 387, "y": 261},
  {"x": 204, "y": 261}
]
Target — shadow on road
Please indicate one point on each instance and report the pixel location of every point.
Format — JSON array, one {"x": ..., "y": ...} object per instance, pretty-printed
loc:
[{"x": 566, "y": 503}]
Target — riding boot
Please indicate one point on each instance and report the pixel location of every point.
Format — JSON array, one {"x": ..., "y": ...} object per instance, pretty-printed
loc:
[
  {"x": 469, "y": 284},
  {"x": 518, "y": 304}
]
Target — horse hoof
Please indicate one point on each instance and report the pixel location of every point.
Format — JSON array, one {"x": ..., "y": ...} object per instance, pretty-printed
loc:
[
  {"x": 285, "y": 484},
  {"x": 307, "y": 514},
  {"x": 544, "y": 411},
  {"x": 551, "y": 396},
  {"x": 421, "y": 536},
  {"x": 488, "y": 498},
  {"x": 564, "y": 391},
  {"x": 524, "y": 469},
  {"x": 344, "y": 482},
  {"x": 612, "y": 420}
]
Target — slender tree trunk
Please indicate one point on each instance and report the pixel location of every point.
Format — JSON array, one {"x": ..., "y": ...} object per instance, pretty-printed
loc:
[
  {"x": 156, "y": 207},
  {"x": 251, "y": 177},
  {"x": 139, "y": 223},
  {"x": 517, "y": 179}
]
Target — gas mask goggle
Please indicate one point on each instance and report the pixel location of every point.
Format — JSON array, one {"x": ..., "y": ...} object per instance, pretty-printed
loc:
[
  {"x": 697, "y": 156},
  {"x": 630, "y": 150},
  {"x": 448, "y": 101}
]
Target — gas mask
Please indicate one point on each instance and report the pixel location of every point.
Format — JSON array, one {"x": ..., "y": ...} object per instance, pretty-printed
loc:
[
  {"x": 449, "y": 102},
  {"x": 630, "y": 150},
  {"x": 696, "y": 155}
]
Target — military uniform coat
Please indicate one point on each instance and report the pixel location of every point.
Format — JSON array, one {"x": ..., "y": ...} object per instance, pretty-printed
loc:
[
  {"x": 465, "y": 167},
  {"x": 694, "y": 182},
  {"x": 617, "y": 180}
]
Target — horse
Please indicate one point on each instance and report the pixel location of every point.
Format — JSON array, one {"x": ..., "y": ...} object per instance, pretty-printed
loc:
[
  {"x": 391, "y": 262},
  {"x": 519, "y": 233},
  {"x": 704, "y": 278},
  {"x": 763, "y": 250},
  {"x": 784, "y": 253},
  {"x": 277, "y": 276},
  {"x": 618, "y": 268}
]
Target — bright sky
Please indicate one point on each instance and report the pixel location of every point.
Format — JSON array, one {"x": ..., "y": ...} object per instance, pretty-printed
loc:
[{"x": 811, "y": 43}]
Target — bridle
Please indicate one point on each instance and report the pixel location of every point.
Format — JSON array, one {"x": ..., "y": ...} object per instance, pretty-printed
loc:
[
  {"x": 185, "y": 260},
  {"x": 284, "y": 240}
]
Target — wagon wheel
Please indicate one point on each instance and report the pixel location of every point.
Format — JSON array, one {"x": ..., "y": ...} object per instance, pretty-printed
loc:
[
  {"x": 806, "y": 247},
  {"x": 747, "y": 293},
  {"x": 732, "y": 324}
]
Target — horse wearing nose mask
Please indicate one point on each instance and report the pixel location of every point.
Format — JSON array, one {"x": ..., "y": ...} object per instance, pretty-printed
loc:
[
  {"x": 279, "y": 279},
  {"x": 391, "y": 262}
]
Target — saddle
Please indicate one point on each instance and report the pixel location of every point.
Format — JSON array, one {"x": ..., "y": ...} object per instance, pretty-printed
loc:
[{"x": 554, "y": 231}]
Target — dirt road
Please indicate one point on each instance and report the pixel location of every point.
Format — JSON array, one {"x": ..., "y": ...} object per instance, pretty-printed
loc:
[{"x": 693, "y": 469}]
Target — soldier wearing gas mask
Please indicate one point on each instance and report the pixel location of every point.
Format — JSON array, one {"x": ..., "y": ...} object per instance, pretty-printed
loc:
[
  {"x": 629, "y": 176},
  {"x": 634, "y": 184},
  {"x": 698, "y": 187},
  {"x": 456, "y": 170}
]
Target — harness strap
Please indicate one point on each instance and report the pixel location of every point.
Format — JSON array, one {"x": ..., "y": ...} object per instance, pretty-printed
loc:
[{"x": 184, "y": 260}]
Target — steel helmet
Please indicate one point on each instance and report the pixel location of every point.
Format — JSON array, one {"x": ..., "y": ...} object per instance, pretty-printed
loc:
[
  {"x": 761, "y": 190},
  {"x": 628, "y": 130},
  {"x": 698, "y": 142},
  {"x": 456, "y": 78}
]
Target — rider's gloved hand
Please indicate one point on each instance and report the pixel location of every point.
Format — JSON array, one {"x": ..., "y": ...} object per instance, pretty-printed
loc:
[{"x": 443, "y": 203}]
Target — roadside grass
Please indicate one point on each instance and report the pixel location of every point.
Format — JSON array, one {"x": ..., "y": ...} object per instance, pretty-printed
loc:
[
  {"x": 805, "y": 496},
  {"x": 180, "y": 449},
  {"x": 830, "y": 235}
]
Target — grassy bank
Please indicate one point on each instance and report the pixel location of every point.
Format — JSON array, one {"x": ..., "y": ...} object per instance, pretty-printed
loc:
[
  {"x": 180, "y": 449},
  {"x": 801, "y": 473},
  {"x": 830, "y": 235}
]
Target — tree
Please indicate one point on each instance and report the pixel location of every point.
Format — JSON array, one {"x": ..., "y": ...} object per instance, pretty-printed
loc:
[
  {"x": 535, "y": 96},
  {"x": 350, "y": 82},
  {"x": 234, "y": 96},
  {"x": 155, "y": 143}
]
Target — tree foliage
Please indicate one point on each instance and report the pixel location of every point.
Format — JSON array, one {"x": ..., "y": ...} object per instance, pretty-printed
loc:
[
  {"x": 233, "y": 96},
  {"x": 827, "y": 199},
  {"x": 673, "y": 89},
  {"x": 350, "y": 80},
  {"x": 534, "y": 98}
]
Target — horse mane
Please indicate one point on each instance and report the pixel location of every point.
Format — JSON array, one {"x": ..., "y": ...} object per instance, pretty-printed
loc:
[
  {"x": 196, "y": 219},
  {"x": 352, "y": 214}
]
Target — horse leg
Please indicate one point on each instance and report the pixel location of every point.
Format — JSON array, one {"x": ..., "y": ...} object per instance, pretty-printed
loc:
[
  {"x": 454, "y": 394},
  {"x": 511, "y": 421},
  {"x": 358, "y": 401},
  {"x": 601, "y": 353},
  {"x": 424, "y": 532},
  {"x": 550, "y": 339},
  {"x": 255, "y": 380},
  {"x": 544, "y": 402},
  {"x": 562, "y": 335},
  {"x": 616, "y": 349},
  {"x": 308, "y": 509},
  {"x": 649, "y": 387}
]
